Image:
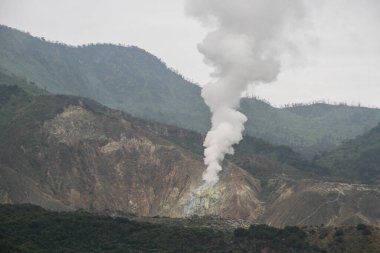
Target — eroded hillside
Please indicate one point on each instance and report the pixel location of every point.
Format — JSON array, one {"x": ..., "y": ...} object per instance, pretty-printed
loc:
[{"x": 69, "y": 153}]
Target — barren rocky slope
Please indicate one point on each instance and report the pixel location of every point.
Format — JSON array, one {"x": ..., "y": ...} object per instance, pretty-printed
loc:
[
  {"x": 82, "y": 155},
  {"x": 68, "y": 153}
]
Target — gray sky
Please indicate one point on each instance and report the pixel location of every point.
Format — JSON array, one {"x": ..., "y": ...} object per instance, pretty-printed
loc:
[{"x": 340, "y": 62}]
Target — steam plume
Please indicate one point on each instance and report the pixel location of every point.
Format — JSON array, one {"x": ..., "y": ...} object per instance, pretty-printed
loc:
[{"x": 244, "y": 48}]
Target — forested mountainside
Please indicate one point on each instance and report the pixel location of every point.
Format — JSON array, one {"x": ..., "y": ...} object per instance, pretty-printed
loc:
[
  {"x": 357, "y": 159},
  {"x": 125, "y": 78},
  {"x": 26, "y": 228},
  {"x": 132, "y": 80},
  {"x": 67, "y": 153},
  {"x": 309, "y": 129}
]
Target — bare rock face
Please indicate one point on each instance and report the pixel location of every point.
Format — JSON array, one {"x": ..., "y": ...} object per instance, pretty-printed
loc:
[
  {"x": 104, "y": 163},
  {"x": 236, "y": 195},
  {"x": 101, "y": 160},
  {"x": 310, "y": 202}
]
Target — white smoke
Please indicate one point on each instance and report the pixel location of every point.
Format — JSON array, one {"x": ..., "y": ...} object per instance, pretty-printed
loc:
[{"x": 245, "y": 49}]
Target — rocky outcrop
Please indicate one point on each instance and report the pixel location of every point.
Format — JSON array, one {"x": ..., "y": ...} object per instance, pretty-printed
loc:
[
  {"x": 310, "y": 202},
  {"x": 100, "y": 162}
]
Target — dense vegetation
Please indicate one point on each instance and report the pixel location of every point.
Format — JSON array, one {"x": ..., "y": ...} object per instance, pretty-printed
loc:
[
  {"x": 27, "y": 228},
  {"x": 9, "y": 79},
  {"x": 130, "y": 79},
  {"x": 126, "y": 78},
  {"x": 308, "y": 129},
  {"x": 11, "y": 99},
  {"x": 249, "y": 151},
  {"x": 358, "y": 159}
]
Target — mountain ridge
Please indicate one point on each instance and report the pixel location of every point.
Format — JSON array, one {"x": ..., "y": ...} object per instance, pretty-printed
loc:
[{"x": 132, "y": 80}]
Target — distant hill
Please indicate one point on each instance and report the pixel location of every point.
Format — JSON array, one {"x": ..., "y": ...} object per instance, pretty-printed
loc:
[
  {"x": 357, "y": 159},
  {"x": 126, "y": 78},
  {"x": 132, "y": 80},
  {"x": 308, "y": 129}
]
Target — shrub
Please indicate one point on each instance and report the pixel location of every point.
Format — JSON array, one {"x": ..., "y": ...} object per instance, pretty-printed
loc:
[
  {"x": 367, "y": 231},
  {"x": 339, "y": 233},
  {"x": 240, "y": 232},
  {"x": 361, "y": 227},
  {"x": 263, "y": 232}
]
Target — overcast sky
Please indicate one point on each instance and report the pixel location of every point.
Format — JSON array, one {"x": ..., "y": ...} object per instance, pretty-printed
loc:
[{"x": 340, "y": 62}]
